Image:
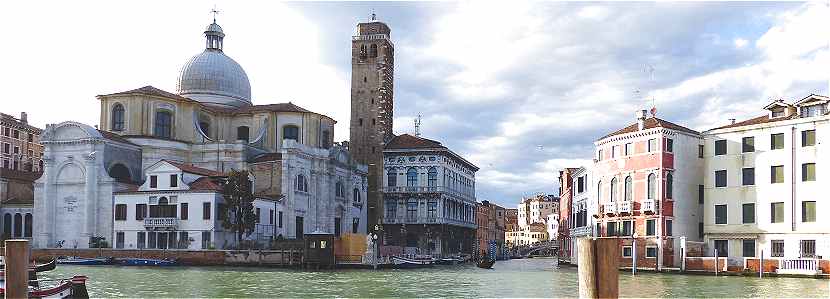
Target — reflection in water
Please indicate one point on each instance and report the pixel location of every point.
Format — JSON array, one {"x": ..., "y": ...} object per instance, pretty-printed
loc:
[{"x": 516, "y": 278}]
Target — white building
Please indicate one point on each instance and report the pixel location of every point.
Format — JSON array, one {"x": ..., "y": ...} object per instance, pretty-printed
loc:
[
  {"x": 552, "y": 226},
  {"x": 584, "y": 205},
  {"x": 536, "y": 209},
  {"x": 429, "y": 197},
  {"x": 763, "y": 183},
  {"x": 211, "y": 123}
]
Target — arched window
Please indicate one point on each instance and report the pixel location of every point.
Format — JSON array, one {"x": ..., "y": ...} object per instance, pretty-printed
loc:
[
  {"x": 628, "y": 188},
  {"x": 18, "y": 225},
  {"x": 412, "y": 177},
  {"x": 27, "y": 232},
  {"x": 373, "y": 50},
  {"x": 669, "y": 186},
  {"x": 339, "y": 190},
  {"x": 118, "y": 117},
  {"x": 164, "y": 124},
  {"x": 291, "y": 132},
  {"x": 7, "y": 226},
  {"x": 432, "y": 177},
  {"x": 204, "y": 125},
  {"x": 356, "y": 195},
  {"x": 242, "y": 133},
  {"x": 652, "y": 186},
  {"x": 392, "y": 177},
  {"x": 613, "y": 189},
  {"x": 302, "y": 184},
  {"x": 362, "y": 53},
  {"x": 599, "y": 189}
]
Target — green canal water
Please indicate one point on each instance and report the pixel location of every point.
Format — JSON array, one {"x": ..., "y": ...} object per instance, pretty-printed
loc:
[{"x": 516, "y": 278}]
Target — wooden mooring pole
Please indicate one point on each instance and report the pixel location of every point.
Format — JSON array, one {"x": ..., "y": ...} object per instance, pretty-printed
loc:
[
  {"x": 17, "y": 269},
  {"x": 598, "y": 268}
]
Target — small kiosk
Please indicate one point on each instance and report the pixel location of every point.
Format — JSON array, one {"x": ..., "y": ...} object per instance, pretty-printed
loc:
[{"x": 319, "y": 250}]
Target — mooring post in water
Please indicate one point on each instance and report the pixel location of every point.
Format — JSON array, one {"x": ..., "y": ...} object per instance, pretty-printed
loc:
[
  {"x": 17, "y": 269},
  {"x": 598, "y": 268},
  {"x": 634, "y": 257}
]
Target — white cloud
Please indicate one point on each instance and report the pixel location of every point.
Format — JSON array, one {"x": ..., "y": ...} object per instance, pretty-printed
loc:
[{"x": 740, "y": 43}]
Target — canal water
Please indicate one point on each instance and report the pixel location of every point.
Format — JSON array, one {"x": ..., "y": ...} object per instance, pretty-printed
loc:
[{"x": 515, "y": 278}]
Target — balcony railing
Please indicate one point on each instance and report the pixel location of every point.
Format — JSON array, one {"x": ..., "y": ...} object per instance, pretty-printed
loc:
[
  {"x": 799, "y": 266},
  {"x": 426, "y": 220},
  {"x": 649, "y": 206},
  {"x": 625, "y": 207},
  {"x": 370, "y": 37},
  {"x": 167, "y": 222},
  {"x": 425, "y": 189},
  {"x": 609, "y": 208}
]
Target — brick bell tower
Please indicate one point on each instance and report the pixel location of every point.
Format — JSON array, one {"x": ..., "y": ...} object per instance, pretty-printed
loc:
[{"x": 371, "y": 113}]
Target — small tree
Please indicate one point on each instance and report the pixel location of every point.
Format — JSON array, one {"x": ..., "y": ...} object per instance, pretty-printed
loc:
[{"x": 239, "y": 201}]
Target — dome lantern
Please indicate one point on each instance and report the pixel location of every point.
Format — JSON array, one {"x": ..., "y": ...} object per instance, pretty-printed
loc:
[{"x": 214, "y": 36}]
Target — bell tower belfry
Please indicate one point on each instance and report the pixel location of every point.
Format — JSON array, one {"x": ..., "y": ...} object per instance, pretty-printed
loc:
[{"x": 371, "y": 104}]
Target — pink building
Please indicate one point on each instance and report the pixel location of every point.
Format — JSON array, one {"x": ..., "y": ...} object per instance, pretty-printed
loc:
[{"x": 649, "y": 181}]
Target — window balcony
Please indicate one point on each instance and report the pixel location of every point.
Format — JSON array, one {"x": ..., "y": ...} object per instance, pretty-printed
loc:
[
  {"x": 625, "y": 207},
  {"x": 609, "y": 208},
  {"x": 161, "y": 223},
  {"x": 649, "y": 206}
]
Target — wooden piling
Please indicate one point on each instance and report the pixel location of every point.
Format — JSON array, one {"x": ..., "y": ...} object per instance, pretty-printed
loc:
[
  {"x": 17, "y": 269},
  {"x": 598, "y": 268}
]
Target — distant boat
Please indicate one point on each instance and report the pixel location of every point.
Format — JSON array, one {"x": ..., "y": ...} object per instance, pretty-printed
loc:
[
  {"x": 147, "y": 262},
  {"x": 85, "y": 261},
  {"x": 37, "y": 268},
  {"x": 405, "y": 262},
  {"x": 449, "y": 261},
  {"x": 486, "y": 264}
]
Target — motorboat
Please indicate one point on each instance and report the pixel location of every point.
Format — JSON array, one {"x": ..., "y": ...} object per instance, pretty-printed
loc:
[
  {"x": 412, "y": 262},
  {"x": 449, "y": 261},
  {"x": 86, "y": 261},
  {"x": 147, "y": 262}
]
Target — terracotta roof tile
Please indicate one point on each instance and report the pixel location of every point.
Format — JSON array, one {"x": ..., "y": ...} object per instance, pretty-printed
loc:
[
  {"x": 755, "y": 121},
  {"x": 267, "y": 157},
  {"x": 115, "y": 137},
  {"x": 279, "y": 107},
  {"x": 194, "y": 169},
  {"x": 651, "y": 123},
  {"x": 206, "y": 184},
  {"x": 408, "y": 141},
  {"x": 150, "y": 90}
]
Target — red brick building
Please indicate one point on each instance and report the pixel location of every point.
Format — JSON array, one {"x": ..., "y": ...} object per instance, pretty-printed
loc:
[{"x": 565, "y": 199}]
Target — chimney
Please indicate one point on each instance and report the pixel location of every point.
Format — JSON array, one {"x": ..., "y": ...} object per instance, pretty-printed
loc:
[
  {"x": 731, "y": 121},
  {"x": 23, "y": 118},
  {"x": 641, "y": 119}
]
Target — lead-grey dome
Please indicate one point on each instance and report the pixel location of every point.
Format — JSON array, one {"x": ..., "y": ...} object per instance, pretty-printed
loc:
[{"x": 213, "y": 77}]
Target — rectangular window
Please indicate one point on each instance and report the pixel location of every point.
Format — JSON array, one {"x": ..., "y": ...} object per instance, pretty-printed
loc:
[
  {"x": 599, "y": 155},
  {"x": 626, "y": 228},
  {"x": 140, "y": 238},
  {"x": 652, "y": 145},
  {"x": 629, "y": 149},
  {"x": 6, "y": 148},
  {"x": 270, "y": 217},
  {"x": 257, "y": 215},
  {"x": 280, "y": 219},
  {"x": 16, "y": 134},
  {"x": 205, "y": 211},
  {"x": 651, "y": 227},
  {"x": 720, "y": 178},
  {"x": 669, "y": 227},
  {"x": 580, "y": 184},
  {"x": 626, "y": 251},
  {"x": 184, "y": 240},
  {"x": 748, "y": 176},
  {"x": 119, "y": 240},
  {"x": 31, "y": 137},
  {"x": 140, "y": 211},
  {"x": 174, "y": 180},
  {"x": 651, "y": 251},
  {"x": 720, "y": 214},
  {"x": 700, "y": 194},
  {"x": 748, "y": 248},
  {"x": 748, "y": 144},
  {"x": 206, "y": 243},
  {"x": 184, "y": 211},
  {"x": 355, "y": 224},
  {"x": 120, "y": 212},
  {"x": 808, "y": 172},
  {"x": 777, "y": 212},
  {"x": 748, "y": 213},
  {"x": 808, "y": 211},
  {"x": 776, "y": 174},
  {"x": 151, "y": 240},
  {"x": 722, "y": 247},
  {"x": 154, "y": 181},
  {"x": 777, "y": 141},
  {"x": 777, "y": 248},
  {"x": 669, "y": 145},
  {"x": 700, "y": 151},
  {"x": 808, "y": 248},
  {"x": 700, "y": 230},
  {"x": 808, "y": 138},
  {"x": 611, "y": 229},
  {"x": 720, "y": 147},
  {"x": 16, "y": 150},
  {"x": 614, "y": 151}
]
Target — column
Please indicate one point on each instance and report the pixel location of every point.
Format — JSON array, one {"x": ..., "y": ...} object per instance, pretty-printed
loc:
[{"x": 90, "y": 197}]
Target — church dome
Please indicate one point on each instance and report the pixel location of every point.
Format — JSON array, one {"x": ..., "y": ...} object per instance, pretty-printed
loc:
[{"x": 212, "y": 77}]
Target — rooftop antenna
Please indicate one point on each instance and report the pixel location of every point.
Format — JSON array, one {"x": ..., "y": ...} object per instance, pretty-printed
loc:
[
  {"x": 650, "y": 70},
  {"x": 372, "y": 17},
  {"x": 214, "y": 11},
  {"x": 418, "y": 126}
]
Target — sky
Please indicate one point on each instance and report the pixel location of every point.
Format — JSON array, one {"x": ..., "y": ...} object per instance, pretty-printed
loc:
[{"x": 521, "y": 89}]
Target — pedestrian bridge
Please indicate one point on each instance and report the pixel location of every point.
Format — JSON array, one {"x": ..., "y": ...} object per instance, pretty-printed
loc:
[{"x": 551, "y": 246}]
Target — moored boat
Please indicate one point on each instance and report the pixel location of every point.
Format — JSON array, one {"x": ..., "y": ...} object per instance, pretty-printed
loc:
[
  {"x": 74, "y": 287},
  {"x": 486, "y": 263},
  {"x": 147, "y": 262},
  {"x": 449, "y": 261},
  {"x": 85, "y": 261},
  {"x": 414, "y": 262}
]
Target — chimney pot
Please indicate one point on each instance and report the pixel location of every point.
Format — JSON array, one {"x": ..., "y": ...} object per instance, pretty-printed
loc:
[
  {"x": 23, "y": 118},
  {"x": 641, "y": 119}
]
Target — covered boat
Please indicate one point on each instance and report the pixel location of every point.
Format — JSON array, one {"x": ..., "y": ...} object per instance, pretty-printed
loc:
[
  {"x": 86, "y": 261},
  {"x": 147, "y": 262}
]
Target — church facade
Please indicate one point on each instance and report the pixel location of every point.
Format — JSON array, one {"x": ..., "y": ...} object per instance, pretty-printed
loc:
[{"x": 209, "y": 122}]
